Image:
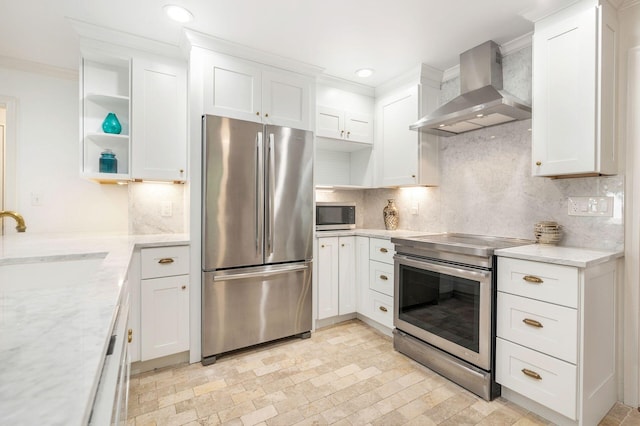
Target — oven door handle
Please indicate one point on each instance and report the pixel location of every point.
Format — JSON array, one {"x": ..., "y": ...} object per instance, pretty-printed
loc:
[{"x": 456, "y": 270}]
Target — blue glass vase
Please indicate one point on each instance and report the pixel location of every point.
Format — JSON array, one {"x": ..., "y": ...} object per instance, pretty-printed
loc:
[
  {"x": 111, "y": 124},
  {"x": 108, "y": 162}
]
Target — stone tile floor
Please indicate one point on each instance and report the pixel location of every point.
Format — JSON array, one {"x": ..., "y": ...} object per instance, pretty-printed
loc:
[{"x": 347, "y": 374}]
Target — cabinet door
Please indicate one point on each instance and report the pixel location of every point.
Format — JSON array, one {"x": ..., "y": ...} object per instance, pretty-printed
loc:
[
  {"x": 362, "y": 276},
  {"x": 399, "y": 158},
  {"x": 232, "y": 88},
  {"x": 347, "y": 278},
  {"x": 328, "y": 277},
  {"x": 285, "y": 99},
  {"x": 164, "y": 316},
  {"x": 564, "y": 96},
  {"x": 329, "y": 122},
  {"x": 359, "y": 127},
  {"x": 159, "y": 125}
]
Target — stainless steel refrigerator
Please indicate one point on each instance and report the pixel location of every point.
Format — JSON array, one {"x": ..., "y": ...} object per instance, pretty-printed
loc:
[{"x": 257, "y": 234}]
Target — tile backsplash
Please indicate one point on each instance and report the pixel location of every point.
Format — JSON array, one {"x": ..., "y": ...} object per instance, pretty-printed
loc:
[{"x": 146, "y": 202}]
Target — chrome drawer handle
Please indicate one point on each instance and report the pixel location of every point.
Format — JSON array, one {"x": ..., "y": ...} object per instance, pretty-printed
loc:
[
  {"x": 382, "y": 308},
  {"x": 532, "y": 279},
  {"x": 165, "y": 261},
  {"x": 533, "y": 323},
  {"x": 384, "y": 277},
  {"x": 383, "y": 250},
  {"x": 532, "y": 374}
]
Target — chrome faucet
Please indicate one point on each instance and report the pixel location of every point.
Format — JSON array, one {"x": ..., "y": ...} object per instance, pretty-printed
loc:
[{"x": 19, "y": 219}]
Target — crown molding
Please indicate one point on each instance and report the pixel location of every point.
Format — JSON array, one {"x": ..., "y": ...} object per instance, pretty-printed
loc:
[
  {"x": 102, "y": 34},
  {"x": 38, "y": 68},
  {"x": 628, "y": 4},
  {"x": 194, "y": 38},
  {"x": 346, "y": 85}
]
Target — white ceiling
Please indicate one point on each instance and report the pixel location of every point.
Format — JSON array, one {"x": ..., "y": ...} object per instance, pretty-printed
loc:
[{"x": 340, "y": 36}]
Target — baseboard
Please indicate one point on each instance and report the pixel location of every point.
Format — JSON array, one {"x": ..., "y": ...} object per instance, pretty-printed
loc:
[{"x": 155, "y": 364}]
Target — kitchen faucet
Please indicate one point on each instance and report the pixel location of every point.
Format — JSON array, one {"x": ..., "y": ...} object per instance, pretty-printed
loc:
[{"x": 19, "y": 219}]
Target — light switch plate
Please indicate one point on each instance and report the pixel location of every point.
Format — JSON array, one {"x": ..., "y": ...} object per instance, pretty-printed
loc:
[{"x": 590, "y": 206}]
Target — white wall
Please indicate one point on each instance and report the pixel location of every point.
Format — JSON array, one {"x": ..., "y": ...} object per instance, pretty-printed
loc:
[{"x": 47, "y": 160}]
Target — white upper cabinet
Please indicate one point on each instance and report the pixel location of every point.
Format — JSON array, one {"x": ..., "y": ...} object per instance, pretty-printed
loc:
[
  {"x": 159, "y": 131},
  {"x": 247, "y": 90},
  {"x": 345, "y": 125},
  {"x": 148, "y": 95},
  {"x": 344, "y": 130},
  {"x": 399, "y": 161},
  {"x": 574, "y": 86},
  {"x": 105, "y": 88},
  {"x": 407, "y": 157}
]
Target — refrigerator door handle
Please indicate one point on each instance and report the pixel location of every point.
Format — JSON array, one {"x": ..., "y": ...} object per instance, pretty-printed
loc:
[
  {"x": 270, "y": 192},
  {"x": 267, "y": 273},
  {"x": 258, "y": 186}
]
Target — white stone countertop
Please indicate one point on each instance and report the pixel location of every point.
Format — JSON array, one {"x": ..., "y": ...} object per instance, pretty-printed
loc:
[
  {"x": 376, "y": 233},
  {"x": 570, "y": 256},
  {"x": 53, "y": 340}
]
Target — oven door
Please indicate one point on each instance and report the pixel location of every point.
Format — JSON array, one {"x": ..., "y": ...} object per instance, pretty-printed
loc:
[{"x": 448, "y": 306}]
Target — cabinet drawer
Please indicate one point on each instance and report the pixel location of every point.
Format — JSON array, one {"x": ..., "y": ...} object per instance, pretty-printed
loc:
[
  {"x": 381, "y": 308},
  {"x": 555, "y": 383},
  {"x": 164, "y": 261},
  {"x": 545, "y": 327},
  {"x": 381, "y": 250},
  {"x": 381, "y": 277},
  {"x": 542, "y": 281}
]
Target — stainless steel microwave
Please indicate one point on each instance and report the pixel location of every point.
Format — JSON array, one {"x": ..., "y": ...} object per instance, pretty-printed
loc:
[{"x": 335, "y": 215}]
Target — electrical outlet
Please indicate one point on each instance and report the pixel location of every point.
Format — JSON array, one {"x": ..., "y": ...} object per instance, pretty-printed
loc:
[
  {"x": 414, "y": 209},
  {"x": 590, "y": 206},
  {"x": 166, "y": 209}
]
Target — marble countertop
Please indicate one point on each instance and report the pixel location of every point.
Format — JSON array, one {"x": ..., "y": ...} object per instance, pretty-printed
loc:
[
  {"x": 53, "y": 340},
  {"x": 570, "y": 256},
  {"x": 376, "y": 233}
]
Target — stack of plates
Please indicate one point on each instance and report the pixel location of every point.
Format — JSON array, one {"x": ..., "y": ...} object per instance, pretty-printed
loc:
[{"x": 548, "y": 232}]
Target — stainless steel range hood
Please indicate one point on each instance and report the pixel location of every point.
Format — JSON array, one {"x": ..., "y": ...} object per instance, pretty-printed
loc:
[{"x": 482, "y": 102}]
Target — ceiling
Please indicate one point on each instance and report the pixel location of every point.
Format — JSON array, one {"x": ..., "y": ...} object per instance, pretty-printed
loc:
[{"x": 339, "y": 36}]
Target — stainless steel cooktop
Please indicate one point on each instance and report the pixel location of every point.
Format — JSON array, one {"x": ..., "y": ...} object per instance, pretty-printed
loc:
[{"x": 469, "y": 244}]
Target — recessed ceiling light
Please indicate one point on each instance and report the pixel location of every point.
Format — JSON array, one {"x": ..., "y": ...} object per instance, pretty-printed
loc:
[
  {"x": 178, "y": 13},
  {"x": 479, "y": 115},
  {"x": 364, "y": 72}
]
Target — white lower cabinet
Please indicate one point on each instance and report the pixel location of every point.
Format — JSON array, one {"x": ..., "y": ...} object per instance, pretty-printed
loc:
[
  {"x": 375, "y": 289},
  {"x": 336, "y": 276},
  {"x": 164, "y": 301},
  {"x": 355, "y": 275},
  {"x": 555, "y": 345}
]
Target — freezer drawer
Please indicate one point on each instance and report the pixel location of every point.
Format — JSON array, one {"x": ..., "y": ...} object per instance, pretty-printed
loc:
[{"x": 244, "y": 307}]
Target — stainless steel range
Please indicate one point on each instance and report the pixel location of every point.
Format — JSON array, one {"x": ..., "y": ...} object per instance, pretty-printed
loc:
[{"x": 444, "y": 305}]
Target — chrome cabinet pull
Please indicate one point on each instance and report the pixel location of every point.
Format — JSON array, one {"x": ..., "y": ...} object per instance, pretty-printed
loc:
[
  {"x": 382, "y": 308},
  {"x": 533, "y": 323},
  {"x": 531, "y": 374},
  {"x": 532, "y": 279},
  {"x": 384, "y": 277},
  {"x": 383, "y": 250},
  {"x": 165, "y": 261}
]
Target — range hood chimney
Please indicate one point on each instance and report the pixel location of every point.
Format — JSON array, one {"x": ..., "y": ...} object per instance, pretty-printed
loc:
[{"x": 482, "y": 102}]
